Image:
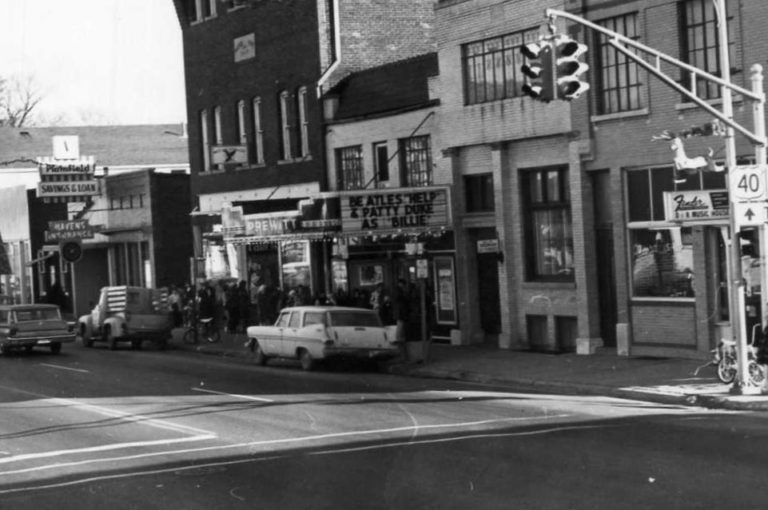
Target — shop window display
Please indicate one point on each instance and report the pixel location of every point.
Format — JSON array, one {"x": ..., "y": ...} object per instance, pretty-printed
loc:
[{"x": 662, "y": 262}]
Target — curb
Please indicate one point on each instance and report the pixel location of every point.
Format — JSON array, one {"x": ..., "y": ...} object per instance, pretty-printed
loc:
[{"x": 537, "y": 386}]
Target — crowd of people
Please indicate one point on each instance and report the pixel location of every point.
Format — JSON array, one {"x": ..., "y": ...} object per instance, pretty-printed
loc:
[{"x": 234, "y": 306}]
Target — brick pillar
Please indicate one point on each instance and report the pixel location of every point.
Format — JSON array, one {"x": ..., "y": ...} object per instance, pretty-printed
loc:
[{"x": 585, "y": 267}]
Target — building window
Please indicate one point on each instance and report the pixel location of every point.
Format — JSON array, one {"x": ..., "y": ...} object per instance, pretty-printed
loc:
[
  {"x": 492, "y": 67},
  {"x": 258, "y": 131},
  {"x": 548, "y": 228},
  {"x": 209, "y": 8},
  {"x": 242, "y": 135},
  {"x": 478, "y": 193},
  {"x": 193, "y": 11},
  {"x": 285, "y": 126},
  {"x": 349, "y": 167},
  {"x": 662, "y": 262},
  {"x": 205, "y": 141},
  {"x": 303, "y": 122},
  {"x": 618, "y": 78},
  {"x": 416, "y": 161},
  {"x": 381, "y": 161},
  {"x": 699, "y": 43},
  {"x": 662, "y": 256},
  {"x": 218, "y": 134}
]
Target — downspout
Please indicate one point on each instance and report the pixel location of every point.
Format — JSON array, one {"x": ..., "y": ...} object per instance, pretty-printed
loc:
[{"x": 336, "y": 47}]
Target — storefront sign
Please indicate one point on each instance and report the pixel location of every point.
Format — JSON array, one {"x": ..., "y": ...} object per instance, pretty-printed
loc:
[
  {"x": 488, "y": 246},
  {"x": 701, "y": 206},
  {"x": 68, "y": 179},
  {"x": 402, "y": 209},
  {"x": 67, "y": 189},
  {"x": 245, "y": 47},
  {"x": 229, "y": 154},
  {"x": 62, "y": 230},
  {"x": 264, "y": 225}
]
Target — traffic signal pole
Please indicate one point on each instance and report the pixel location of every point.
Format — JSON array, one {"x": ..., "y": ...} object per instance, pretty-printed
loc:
[{"x": 757, "y": 137}]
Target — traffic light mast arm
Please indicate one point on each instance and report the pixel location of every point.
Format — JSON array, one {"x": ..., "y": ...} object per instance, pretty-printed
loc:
[
  {"x": 690, "y": 95},
  {"x": 620, "y": 42}
]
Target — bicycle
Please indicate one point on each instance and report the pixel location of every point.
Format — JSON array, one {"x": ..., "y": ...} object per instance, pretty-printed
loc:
[{"x": 202, "y": 328}]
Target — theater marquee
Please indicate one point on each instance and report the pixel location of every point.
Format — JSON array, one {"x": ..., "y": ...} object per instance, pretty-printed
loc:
[{"x": 387, "y": 210}]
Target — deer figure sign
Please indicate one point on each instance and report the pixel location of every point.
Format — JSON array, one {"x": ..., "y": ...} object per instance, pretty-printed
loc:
[{"x": 684, "y": 165}]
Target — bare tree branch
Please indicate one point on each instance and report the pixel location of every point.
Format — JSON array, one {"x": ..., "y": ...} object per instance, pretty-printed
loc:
[{"x": 19, "y": 96}]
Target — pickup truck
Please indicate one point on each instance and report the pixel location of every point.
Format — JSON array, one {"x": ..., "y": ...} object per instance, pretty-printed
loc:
[{"x": 128, "y": 314}]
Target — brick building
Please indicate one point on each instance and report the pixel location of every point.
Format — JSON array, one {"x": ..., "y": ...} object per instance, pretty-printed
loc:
[
  {"x": 255, "y": 72},
  {"x": 669, "y": 295},
  {"x": 520, "y": 200},
  {"x": 572, "y": 195},
  {"x": 381, "y": 154}
]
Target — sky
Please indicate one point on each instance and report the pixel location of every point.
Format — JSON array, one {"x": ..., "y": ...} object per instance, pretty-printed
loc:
[{"x": 97, "y": 62}]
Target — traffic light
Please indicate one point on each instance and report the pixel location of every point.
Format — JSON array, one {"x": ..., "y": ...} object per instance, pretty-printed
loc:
[
  {"x": 71, "y": 250},
  {"x": 538, "y": 70},
  {"x": 568, "y": 68}
]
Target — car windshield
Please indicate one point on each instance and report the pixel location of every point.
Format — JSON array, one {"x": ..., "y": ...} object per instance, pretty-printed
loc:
[
  {"x": 36, "y": 314},
  {"x": 354, "y": 318}
]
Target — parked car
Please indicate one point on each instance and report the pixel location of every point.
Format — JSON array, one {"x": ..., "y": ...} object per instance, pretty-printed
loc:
[
  {"x": 312, "y": 333},
  {"x": 128, "y": 314},
  {"x": 33, "y": 325}
]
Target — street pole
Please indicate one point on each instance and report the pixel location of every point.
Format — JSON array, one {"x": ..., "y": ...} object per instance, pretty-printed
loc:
[{"x": 742, "y": 385}]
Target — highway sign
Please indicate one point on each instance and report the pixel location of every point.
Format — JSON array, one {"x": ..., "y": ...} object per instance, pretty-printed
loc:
[
  {"x": 750, "y": 214},
  {"x": 747, "y": 183}
]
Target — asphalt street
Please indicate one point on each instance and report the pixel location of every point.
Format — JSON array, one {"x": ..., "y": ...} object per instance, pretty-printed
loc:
[{"x": 93, "y": 428}]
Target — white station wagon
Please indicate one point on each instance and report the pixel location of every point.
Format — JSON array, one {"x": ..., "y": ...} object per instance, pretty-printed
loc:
[{"x": 311, "y": 333}]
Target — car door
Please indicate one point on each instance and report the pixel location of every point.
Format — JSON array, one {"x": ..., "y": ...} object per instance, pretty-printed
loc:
[
  {"x": 291, "y": 339},
  {"x": 272, "y": 340}
]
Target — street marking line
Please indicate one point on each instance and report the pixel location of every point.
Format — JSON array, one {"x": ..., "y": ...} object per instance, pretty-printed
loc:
[
  {"x": 236, "y": 395},
  {"x": 130, "y": 417},
  {"x": 91, "y": 449},
  {"x": 66, "y": 368},
  {"x": 272, "y": 457},
  {"x": 274, "y": 442}
]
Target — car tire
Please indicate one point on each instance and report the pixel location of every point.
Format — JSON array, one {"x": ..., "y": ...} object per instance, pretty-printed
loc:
[
  {"x": 110, "y": 338},
  {"x": 56, "y": 347},
  {"x": 307, "y": 361},
  {"x": 258, "y": 354}
]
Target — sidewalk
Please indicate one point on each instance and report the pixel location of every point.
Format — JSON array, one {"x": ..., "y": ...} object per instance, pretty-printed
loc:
[{"x": 663, "y": 380}]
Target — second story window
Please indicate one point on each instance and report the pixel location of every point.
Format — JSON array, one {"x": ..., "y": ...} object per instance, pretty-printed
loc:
[
  {"x": 492, "y": 67},
  {"x": 699, "y": 43},
  {"x": 242, "y": 134},
  {"x": 285, "y": 126},
  {"x": 478, "y": 193},
  {"x": 349, "y": 167},
  {"x": 301, "y": 101},
  {"x": 381, "y": 161},
  {"x": 416, "y": 161},
  {"x": 205, "y": 141},
  {"x": 218, "y": 134},
  {"x": 258, "y": 131},
  {"x": 618, "y": 77},
  {"x": 208, "y": 8}
]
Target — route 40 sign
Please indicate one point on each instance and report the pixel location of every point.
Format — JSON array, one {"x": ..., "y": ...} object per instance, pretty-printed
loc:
[{"x": 747, "y": 183}]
